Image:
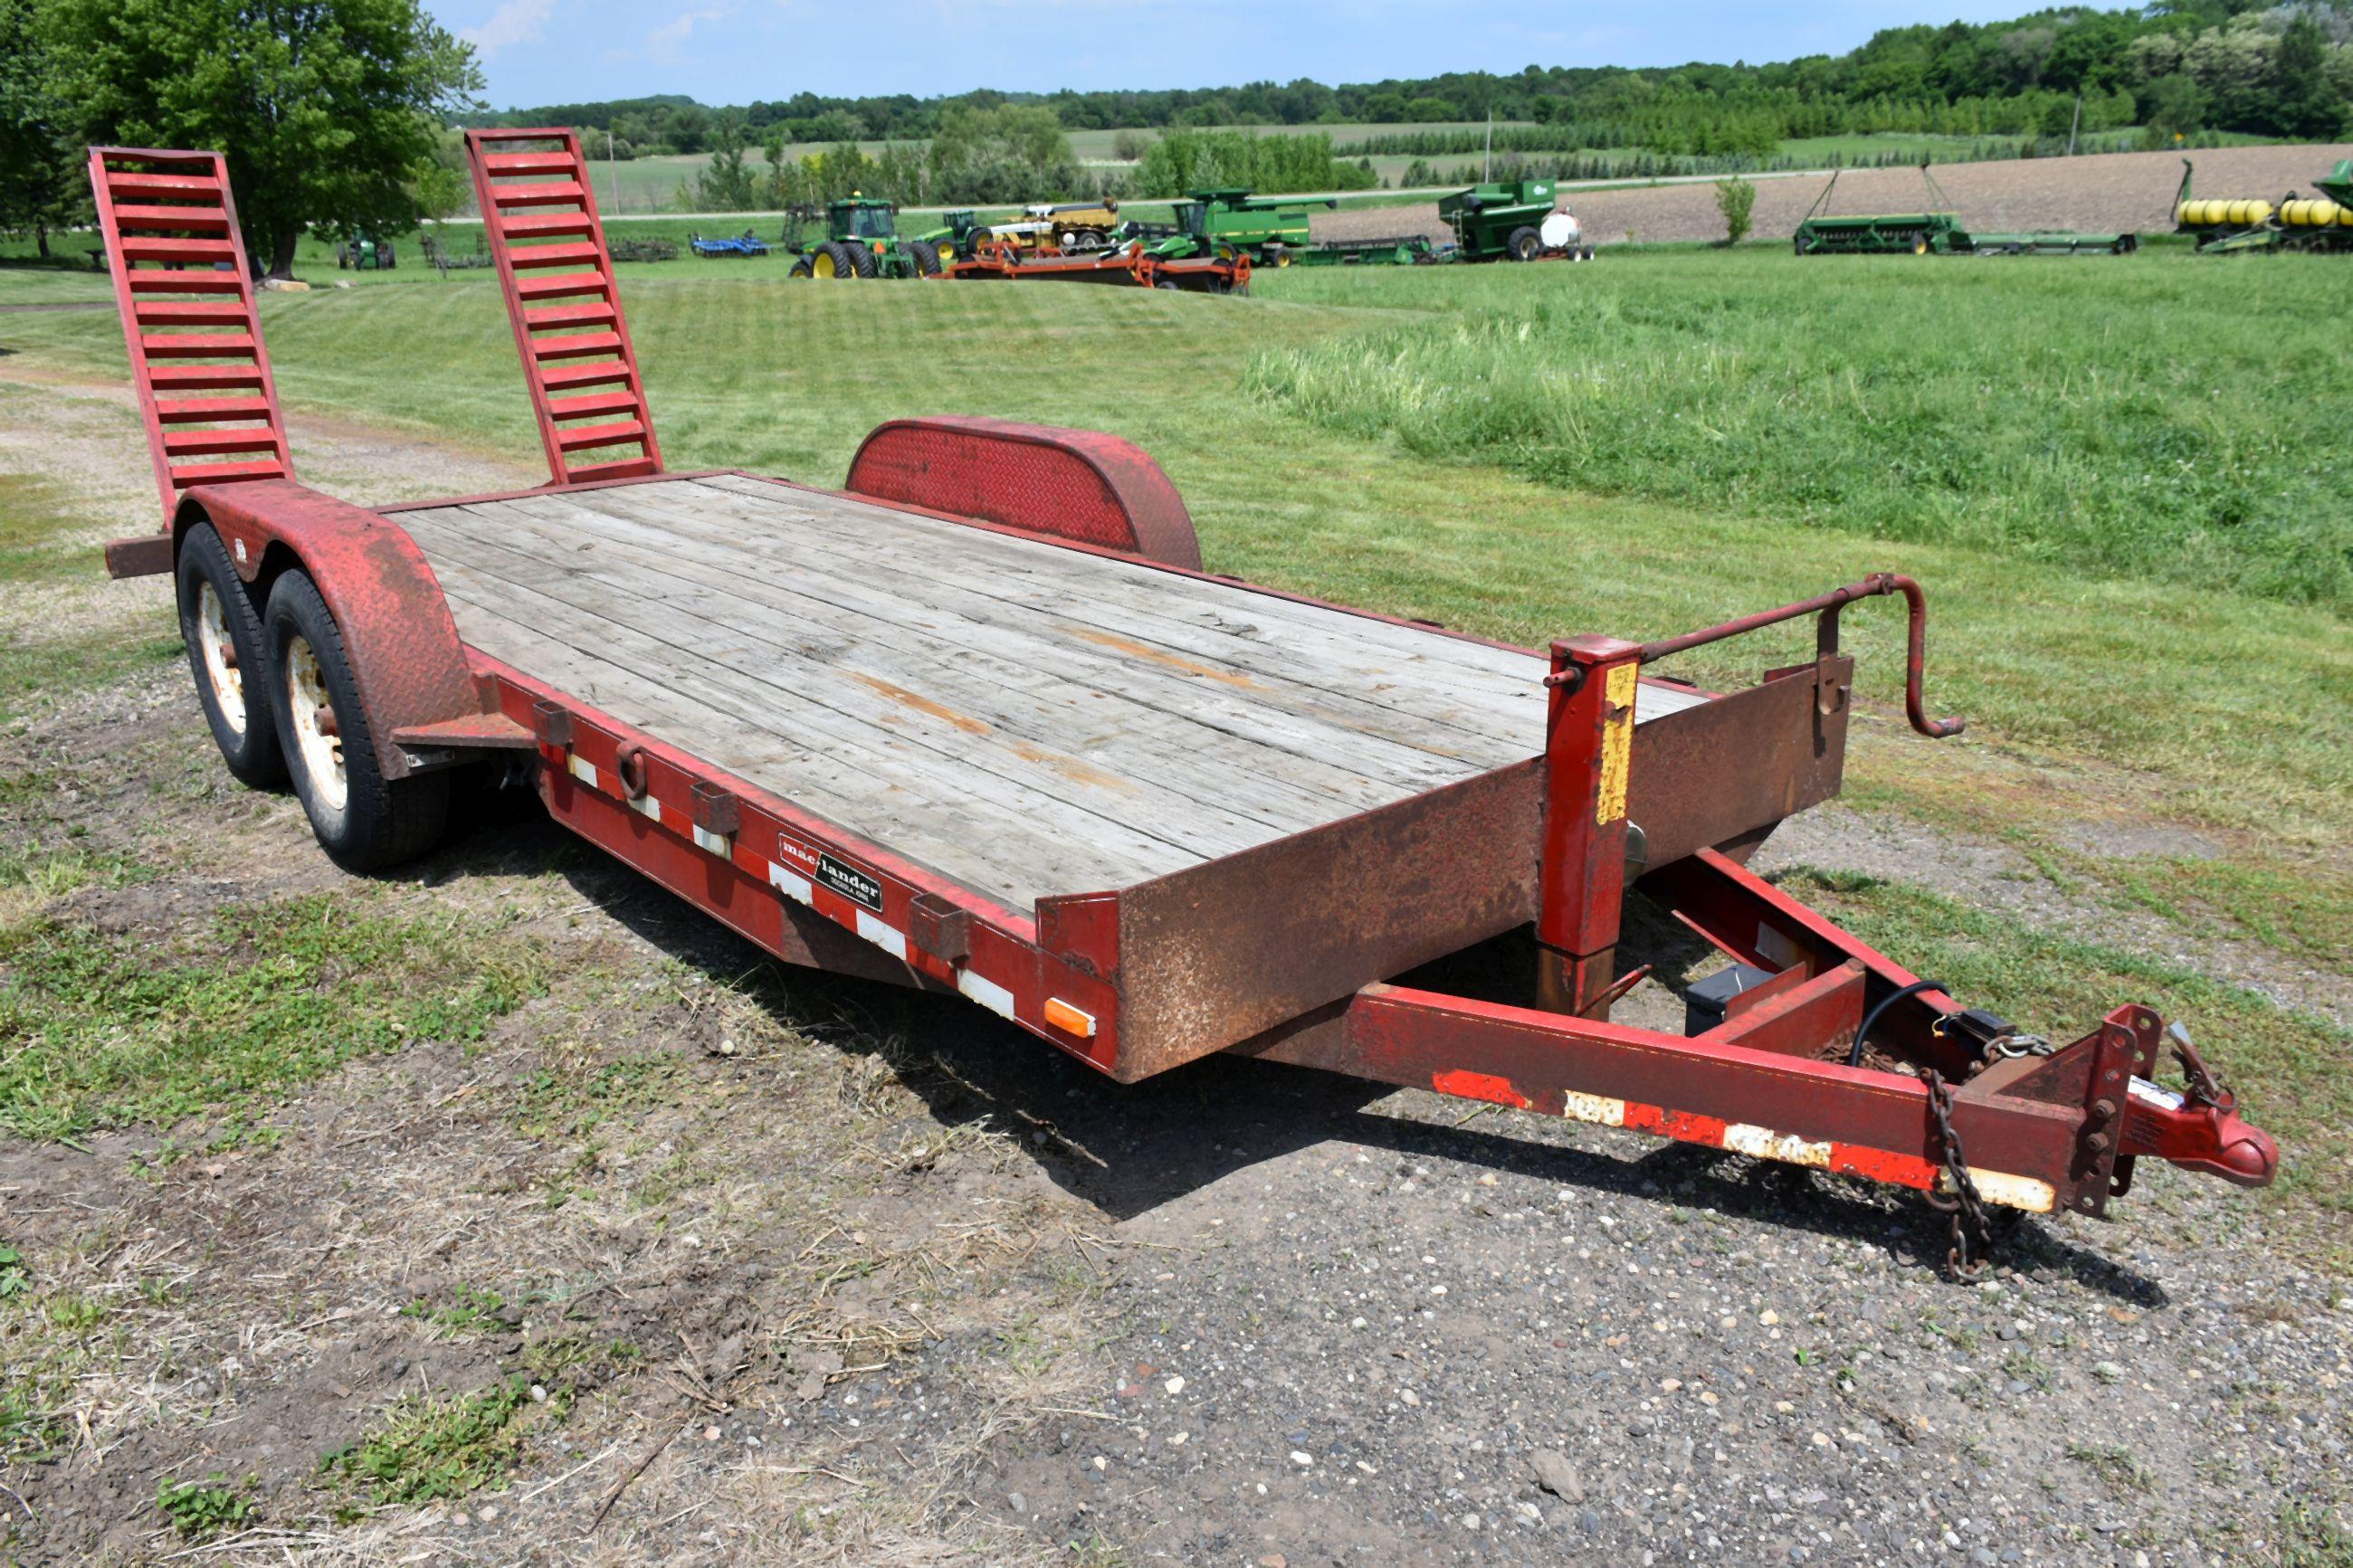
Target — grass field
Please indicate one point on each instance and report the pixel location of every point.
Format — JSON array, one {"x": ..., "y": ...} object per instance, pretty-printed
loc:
[{"x": 2114, "y": 479}]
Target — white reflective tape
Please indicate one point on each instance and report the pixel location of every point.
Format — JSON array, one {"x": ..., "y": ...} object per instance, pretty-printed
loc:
[
  {"x": 719, "y": 844},
  {"x": 646, "y": 806},
  {"x": 988, "y": 993},
  {"x": 1594, "y": 1108},
  {"x": 2011, "y": 1192},
  {"x": 789, "y": 884},
  {"x": 1767, "y": 1144},
  {"x": 581, "y": 768},
  {"x": 2157, "y": 1095},
  {"x": 890, "y": 939}
]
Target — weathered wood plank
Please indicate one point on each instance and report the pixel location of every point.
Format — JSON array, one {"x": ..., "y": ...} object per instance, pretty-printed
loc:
[
  {"x": 1225, "y": 726},
  {"x": 1374, "y": 657},
  {"x": 745, "y": 677},
  {"x": 1011, "y": 856},
  {"x": 1310, "y": 671},
  {"x": 1035, "y": 711}
]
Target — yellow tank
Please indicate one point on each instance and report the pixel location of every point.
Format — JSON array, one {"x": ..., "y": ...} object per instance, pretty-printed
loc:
[
  {"x": 2315, "y": 214},
  {"x": 2223, "y": 212}
]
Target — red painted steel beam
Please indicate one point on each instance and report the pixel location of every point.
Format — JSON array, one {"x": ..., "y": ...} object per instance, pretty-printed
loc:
[
  {"x": 169, "y": 223},
  {"x": 1588, "y": 758},
  {"x": 512, "y": 186}
]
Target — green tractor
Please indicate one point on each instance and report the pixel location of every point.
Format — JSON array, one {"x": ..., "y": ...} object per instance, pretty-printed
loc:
[
  {"x": 861, "y": 241},
  {"x": 363, "y": 253},
  {"x": 1227, "y": 221}
]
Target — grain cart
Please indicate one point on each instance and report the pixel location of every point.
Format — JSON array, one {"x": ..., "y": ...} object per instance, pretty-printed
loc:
[
  {"x": 1519, "y": 221},
  {"x": 1936, "y": 232},
  {"x": 977, "y": 722},
  {"x": 862, "y": 241},
  {"x": 2224, "y": 225}
]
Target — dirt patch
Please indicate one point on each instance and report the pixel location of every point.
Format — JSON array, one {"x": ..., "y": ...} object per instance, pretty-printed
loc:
[
  {"x": 2106, "y": 192},
  {"x": 1381, "y": 223}
]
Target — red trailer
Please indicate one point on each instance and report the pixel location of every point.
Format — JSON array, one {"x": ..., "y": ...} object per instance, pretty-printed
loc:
[{"x": 977, "y": 722}]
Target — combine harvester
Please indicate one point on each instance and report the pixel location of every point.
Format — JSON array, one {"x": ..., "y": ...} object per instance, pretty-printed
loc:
[
  {"x": 2226, "y": 224},
  {"x": 977, "y": 722},
  {"x": 1521, "y": 221},
  {"x": 1936, "y": 233}
]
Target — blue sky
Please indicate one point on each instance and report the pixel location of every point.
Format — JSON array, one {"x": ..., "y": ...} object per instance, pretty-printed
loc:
[{"x": 734, "y": 51}]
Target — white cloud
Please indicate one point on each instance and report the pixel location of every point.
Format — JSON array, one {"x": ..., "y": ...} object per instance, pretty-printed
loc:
[
  {"x": 514, "y": 22},
  {"x": 664, "y": 42}
]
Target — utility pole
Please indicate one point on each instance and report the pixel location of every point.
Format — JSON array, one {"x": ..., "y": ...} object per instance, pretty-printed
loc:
[{"x": 2074, "y": 123}]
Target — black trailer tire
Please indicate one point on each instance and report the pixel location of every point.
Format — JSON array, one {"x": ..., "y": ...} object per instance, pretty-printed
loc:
[
  {"x": 363, "y": 821},
  {"x": 229, "y": 656},
  {"x": 1525, "y": 244},
  {"x": 1166, "y": 283},
  {"x": 926, "y": 257},
  {"x": 1798, "y": 245}
]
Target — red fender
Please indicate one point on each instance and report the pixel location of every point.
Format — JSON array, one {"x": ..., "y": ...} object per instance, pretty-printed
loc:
[
  {"x": 407, "y": 658},
  {"x": 1079, "y": 485}
]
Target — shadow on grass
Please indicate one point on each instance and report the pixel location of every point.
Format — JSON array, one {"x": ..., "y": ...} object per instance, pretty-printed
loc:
[{"x": 1130, "y": 1149}]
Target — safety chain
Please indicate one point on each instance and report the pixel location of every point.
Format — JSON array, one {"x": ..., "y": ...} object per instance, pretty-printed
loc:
[
  {"x": 2010, "y": 1048},
  {"x": 1973, "y": 1234}
]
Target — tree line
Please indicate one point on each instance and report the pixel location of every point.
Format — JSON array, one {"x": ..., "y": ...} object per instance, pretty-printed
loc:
[
  {"x": 2177, "y": 66},
  {"x": 1010, "y": 155}
]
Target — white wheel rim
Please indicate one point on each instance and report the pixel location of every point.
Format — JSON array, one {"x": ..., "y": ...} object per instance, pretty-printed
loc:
[
  {"x": 321, "y": 753},
  {"x": 213, "y": 647}
]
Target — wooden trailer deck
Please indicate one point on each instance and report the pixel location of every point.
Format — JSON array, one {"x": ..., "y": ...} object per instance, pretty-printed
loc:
[{"x": 1021, "y": 718}]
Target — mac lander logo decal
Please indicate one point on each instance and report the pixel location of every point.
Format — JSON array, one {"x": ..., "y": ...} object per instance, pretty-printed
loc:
[{"x": 849, "y": 881}]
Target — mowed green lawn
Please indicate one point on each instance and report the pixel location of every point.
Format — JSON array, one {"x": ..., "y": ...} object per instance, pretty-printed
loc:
[{"x": 2115, "y": 476}]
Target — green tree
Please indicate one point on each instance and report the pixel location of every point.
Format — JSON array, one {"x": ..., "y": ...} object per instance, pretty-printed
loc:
[
  {"x": 325, "y": 110},
  {"x": 725, "y": 184},
  {"x": 40, "y": 171},
  {"x": 2303, "y": 100},
  {"x": 1736, "y": 200}
]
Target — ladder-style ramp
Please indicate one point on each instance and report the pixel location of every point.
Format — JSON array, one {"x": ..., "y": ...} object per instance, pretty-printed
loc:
[
  {"x": 185, "y": 295},
  {"x": 540, "y": 210}
]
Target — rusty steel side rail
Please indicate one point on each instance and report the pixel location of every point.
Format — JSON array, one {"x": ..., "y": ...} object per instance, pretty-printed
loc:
[{"x": 1828, "y": 607}]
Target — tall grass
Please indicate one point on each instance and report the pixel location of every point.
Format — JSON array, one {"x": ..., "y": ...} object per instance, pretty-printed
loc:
[{"x": 2165, "y": 416}]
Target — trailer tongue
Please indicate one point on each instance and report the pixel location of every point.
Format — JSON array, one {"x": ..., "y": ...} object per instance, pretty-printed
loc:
[{"x": 979, "y": 722}]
